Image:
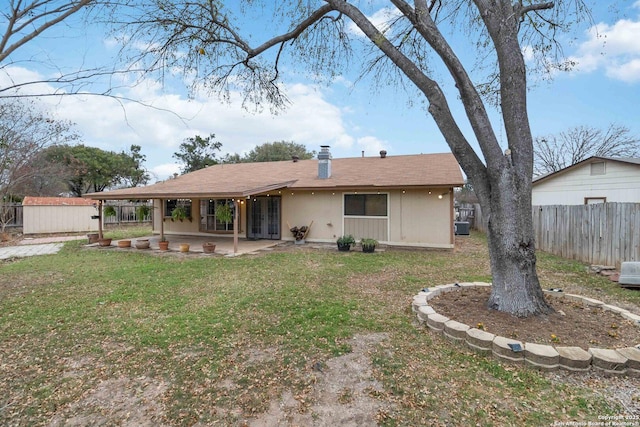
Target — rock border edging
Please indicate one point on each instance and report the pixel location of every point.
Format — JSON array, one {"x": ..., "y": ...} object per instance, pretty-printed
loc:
[{"x": 623, "y": 361}]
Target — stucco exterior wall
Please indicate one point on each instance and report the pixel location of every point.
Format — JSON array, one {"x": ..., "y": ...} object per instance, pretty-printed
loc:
[
  {"x": 619, "y": 183},
  {"x": 416, "y": 218},
  {"x": 59, "y": 219},
  {"x": 324, "y": 208},
  {"x": 421, "y": 219}
]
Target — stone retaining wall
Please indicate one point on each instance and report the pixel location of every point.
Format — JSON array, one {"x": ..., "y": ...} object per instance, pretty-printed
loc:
[{"x": 622, "y": 361}]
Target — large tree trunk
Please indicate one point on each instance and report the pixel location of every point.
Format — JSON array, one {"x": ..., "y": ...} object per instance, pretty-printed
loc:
[{"x": 516, "y": 289}]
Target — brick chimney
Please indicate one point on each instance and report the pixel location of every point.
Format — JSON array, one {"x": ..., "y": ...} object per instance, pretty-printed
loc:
[{"x": 324, "y": 162}]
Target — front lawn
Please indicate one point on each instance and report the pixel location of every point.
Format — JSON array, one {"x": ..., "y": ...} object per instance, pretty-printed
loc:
[{"x": 120, "y": 337}]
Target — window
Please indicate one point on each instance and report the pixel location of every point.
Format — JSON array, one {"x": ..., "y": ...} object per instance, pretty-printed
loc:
[
  {"x": 365, "y": 204},
  {"x": 594, "y": 200},
  {"x": 598, "y": 168},
  {"x": 171, "y": 204}
]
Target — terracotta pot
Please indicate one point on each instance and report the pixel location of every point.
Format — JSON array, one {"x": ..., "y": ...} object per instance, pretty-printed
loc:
[
  {"x": 93, "y": 238},
  {"x": 184, "y": 247},
  {"x": 124, "y": 243},
  {"x": 104, "y": 242},
  {"x": 164, "y": 246},
  {"x": 142, "y": 243},
  {"x": 208, "y": 247}
]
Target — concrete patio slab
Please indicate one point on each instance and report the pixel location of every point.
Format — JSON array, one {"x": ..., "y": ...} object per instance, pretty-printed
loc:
[{"x": 29, "y": 250}]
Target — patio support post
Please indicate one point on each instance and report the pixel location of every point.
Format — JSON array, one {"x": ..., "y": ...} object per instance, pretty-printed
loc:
[
  {"x": 100, "y": 218},
  {"x": 236, "y": 206},
  {"x": 161, "y": 220}
]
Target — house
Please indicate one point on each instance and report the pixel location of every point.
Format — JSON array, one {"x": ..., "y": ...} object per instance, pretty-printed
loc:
[
  {"x": 594, "y": 180},
  {"x": 398, "y": 200}
]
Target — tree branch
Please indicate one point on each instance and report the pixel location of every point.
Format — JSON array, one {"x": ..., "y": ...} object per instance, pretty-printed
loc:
[
  {"x": 523, "y": 10},
  {"x": 299, "y": 29},
  {"x": 64, "y": 12}
]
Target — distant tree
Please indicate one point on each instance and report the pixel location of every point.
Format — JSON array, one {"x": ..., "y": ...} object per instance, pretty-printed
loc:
[
  {"x": 556, "y": 152},
  {"x": 25, "y": 131},
  {"x": 197, "y": 153},
  {"x": 278, "y": 150},
  {"x": 134, "y": 163},
  {"x": 465, "y": 194},
  {"x": 231, "y": 158},
  {"x": 91, "y": 169}
]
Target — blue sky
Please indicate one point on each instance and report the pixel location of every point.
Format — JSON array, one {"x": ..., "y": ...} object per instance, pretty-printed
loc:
[{"x": 604, "y": 88}]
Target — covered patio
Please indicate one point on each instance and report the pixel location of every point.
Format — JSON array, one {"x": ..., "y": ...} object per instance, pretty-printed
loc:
[{"x": 224, "y": 244}]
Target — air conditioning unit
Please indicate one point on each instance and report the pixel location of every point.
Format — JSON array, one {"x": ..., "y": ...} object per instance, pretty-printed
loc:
[{"x": 461, "y": 228}]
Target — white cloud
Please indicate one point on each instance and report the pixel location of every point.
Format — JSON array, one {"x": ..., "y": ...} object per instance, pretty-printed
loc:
[
  {"x": 612, "y": 48},
  {"x": 628, "y": 72},
  {"x": 371, "y": 145},
  {"x": 115, "y": 125},
  {"x": 380, "y": 19},
  {"x": 163, "y": 171}
]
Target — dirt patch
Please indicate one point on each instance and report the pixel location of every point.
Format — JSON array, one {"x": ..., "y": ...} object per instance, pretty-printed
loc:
[
  {"x": 121, "y": 401},
  {"x": 341, "y": 396},
  {"x": 573, "y": 324}
]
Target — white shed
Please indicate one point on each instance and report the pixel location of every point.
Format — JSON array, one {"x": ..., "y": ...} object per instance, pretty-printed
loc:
[
  {"x": 58, "y": 215},
  {"x": 594, "y": 180}
]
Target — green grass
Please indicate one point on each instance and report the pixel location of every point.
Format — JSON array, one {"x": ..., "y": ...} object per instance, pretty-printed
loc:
[{"x": 71, "y": 321}]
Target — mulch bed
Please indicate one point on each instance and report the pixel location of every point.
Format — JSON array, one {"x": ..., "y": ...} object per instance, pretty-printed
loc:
[{"x": 573, "y": 324}]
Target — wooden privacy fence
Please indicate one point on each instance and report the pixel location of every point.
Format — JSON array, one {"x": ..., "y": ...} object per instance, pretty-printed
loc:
[
  {"x": 12, "y": 213},
  {"x": 602, "y": 233}
]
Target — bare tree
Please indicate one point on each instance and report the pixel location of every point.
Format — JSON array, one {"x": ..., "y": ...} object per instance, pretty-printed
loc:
[
  {"x": 204, "y": 40},
  {"x": 555, "y": 152},
  {"x": 25, "y": 130}
]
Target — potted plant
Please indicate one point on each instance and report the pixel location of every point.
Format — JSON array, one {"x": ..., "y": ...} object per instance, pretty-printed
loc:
[
  {"x": 142, "y": 212},
  {"x": 224, "y": 213},
  {"x": 368, "y": 245},
  {"x": 109, "y": 211},
  {"x": 345, "y": 242},
  {"x": 179, "y": 213},
  {"x": 208, "y": 247},
  {"x": 163, "y": 244}
]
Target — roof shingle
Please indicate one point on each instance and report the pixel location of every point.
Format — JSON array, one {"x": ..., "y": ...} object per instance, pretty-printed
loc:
[{"x": 244, "y": 179}]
